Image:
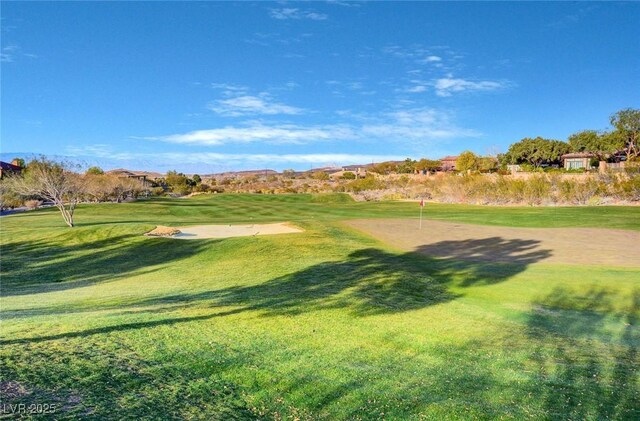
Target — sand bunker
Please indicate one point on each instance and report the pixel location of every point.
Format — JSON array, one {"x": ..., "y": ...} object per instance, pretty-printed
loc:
[
  {"x": 481, "y": 243},
  {"x": 196, "y": 232}
]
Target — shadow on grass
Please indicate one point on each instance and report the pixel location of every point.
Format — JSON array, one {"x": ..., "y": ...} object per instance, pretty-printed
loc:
[
  {"x": 367, "y": 282},
  {"x": 47, "y": 266},
  {"x": 371, "y": 281},
  {"x": 586, "y": 366}
]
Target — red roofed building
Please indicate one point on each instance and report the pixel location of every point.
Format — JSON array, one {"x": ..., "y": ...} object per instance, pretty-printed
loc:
[
  {"x": 449, "y": 163},
  {"x": 6, "y": 168}
]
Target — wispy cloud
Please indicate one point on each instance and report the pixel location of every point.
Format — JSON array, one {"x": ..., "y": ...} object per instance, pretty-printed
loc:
[
  {"x": 424, "y": 124},
  {"x": 295, "y": 13},
  {"x": 345, "y": 3},
  {"x": 417, "y": 86},
  {"x": 229, "y": 89},
  {"x": 449, "y": 85},
  {"x": 318, "y": 159},
  {"x": 243, "y": 105},
  {"x": 222, "y": 160},
  {"x": 356, "y": 86},
  {"x": 266, "y": 39},
  {"x": 403, "y": 125},
  {"x": 259, "y": 132},
  {"x": 10, "y": 53}
]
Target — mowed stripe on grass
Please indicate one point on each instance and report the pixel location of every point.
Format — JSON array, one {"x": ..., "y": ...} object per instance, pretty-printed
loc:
[{"x": 328, "y": 323}]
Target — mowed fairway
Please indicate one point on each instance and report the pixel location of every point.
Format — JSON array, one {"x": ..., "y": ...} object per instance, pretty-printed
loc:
[{"x": 329, "y": 323}]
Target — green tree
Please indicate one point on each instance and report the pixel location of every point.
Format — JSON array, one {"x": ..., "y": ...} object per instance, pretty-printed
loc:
[
  {"x": 289, "y": 173},
  {"x": 196, "y": 179},
  {"x": 53, "y": 181},
  {"x": 627, "y": 124},
  {"x": 487, "y": 164},
  {"x": 178, "y": 182},
  {"x": 428, "y": 164},
  {"x": 384, "y": 168},
  {"x": 467, "y": 161},
  {"x": 94, "y": 171},
  {"x": 602, "y": 145},
  {"x": 320, "y": 175},
  {"x": 348, "y": 175},
  {"x": 19, "y": 162},
  {"x": 536, "y": 151},
  {"x": 407, "y": 166}
]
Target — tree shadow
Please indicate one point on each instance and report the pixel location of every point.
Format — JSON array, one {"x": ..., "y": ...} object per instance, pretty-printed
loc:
[
  {"x": 367, "y": 282},
  {"x": 33, "y": 267},
  {"x": 372, "y": 281},
  {"x": 491, "y": 250},
  {"x": 587, "y": 362},
  {"x": 117, "y": 328}
]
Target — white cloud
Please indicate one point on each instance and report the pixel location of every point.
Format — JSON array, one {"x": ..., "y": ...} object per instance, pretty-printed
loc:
[
  {"x": 448, "y": 85},
  {"x": 431, "y": 59},
  {"x": 295, "y": 13},
  {"x": 252, "y": 105},
  {"x": 230, "y": 89},
  {"x": 229, "y": 160},
  {"x": 423, "y": 124},
  {"x": 416, "y": 89},
  {"x": 275, "y": 134},
  {"x": 344, "y": 3},
  {"x": 10, "y": 53},
  {"x": 321, "y": 158}
]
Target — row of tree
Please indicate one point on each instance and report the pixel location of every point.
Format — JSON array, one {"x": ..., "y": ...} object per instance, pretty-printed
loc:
[
  {"x": 622, "y": 141},
  {"x": 58, "y": 183}
]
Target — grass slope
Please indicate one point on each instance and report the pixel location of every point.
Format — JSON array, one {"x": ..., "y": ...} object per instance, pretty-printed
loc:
[{"x": 108, "y": 324}]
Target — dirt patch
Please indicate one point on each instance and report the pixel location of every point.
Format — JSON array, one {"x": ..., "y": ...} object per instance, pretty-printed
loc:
[
  {"x": 11, "y": 390},
  {"x": 226, "y": 231},
  {"x": 161, "y": 231},
  {"x": 15, "y": 395},
  {"x": 584, "y": 246}
]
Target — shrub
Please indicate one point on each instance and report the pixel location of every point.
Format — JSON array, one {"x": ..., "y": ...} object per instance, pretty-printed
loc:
[
  {"x": 320, "y": 175},
  {"x": 202, "y": 188},
  {"x": 576, "y": 192},
  {"x": 33, "y": 204},
  {"x": 362, "y": 184},
  {"x": 348, "y": 175},
  {"x": 157, "y": 191},
  {"x": 536, "y": 190},
  {"x": 628, "y": 188}
]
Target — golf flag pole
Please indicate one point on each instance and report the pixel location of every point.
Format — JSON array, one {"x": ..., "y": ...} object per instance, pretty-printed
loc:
[{"x": 421, "y": 206}]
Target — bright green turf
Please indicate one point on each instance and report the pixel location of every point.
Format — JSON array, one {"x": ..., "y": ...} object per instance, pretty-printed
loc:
[{"x": 323, "y": 324}]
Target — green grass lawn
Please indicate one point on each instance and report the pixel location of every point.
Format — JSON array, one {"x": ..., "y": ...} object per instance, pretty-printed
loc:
[{"x": 326, "y": 324}]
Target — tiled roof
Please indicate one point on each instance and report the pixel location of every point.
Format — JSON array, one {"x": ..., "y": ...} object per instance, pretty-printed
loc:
[
  {"x": 578, "y": 155},
  {"x": 9, "y": 167}
]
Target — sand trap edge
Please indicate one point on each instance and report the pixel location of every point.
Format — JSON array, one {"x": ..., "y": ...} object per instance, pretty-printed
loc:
[{"x": 198, "y": 232}]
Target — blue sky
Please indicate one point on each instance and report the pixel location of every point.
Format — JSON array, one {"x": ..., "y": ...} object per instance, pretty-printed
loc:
[{"x": 204, "y": 87}]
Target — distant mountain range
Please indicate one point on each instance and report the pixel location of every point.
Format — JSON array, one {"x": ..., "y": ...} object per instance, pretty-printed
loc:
[
  {"x": 156, "y": 169},
  {"x": 136, "y": 164}
]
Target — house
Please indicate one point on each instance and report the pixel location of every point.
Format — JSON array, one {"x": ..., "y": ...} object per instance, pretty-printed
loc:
[
  {"x": 358, "y": 170},
  {"x": 449, "y": 163},
  {"x": 6, "y": 168},
  {"x": 580, "y": 160},
  {"x": 130, "y": 174}
]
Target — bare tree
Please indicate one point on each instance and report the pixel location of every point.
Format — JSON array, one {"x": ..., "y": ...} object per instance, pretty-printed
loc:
[{"x": 51, "y": 181}]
